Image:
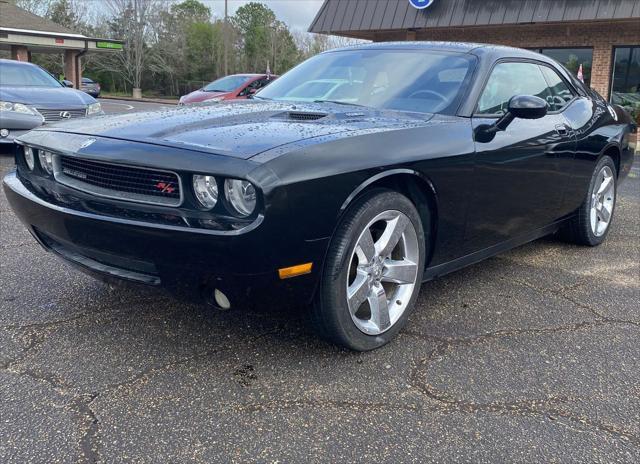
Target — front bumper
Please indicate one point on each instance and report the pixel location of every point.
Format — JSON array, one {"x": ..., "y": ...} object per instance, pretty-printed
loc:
[{"x": 191, "y": 263}]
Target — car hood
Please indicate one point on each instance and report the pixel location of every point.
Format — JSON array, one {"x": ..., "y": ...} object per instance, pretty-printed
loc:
[
  {"x": 46, "y": 97},
  {"x": 240, "y": 129},
  {"x": 200, "y": 96}
]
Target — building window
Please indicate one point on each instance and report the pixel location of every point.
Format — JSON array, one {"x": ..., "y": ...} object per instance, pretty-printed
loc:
[
  {"x": 625, "y": 82},
  {"x": 572, "y": 58}
]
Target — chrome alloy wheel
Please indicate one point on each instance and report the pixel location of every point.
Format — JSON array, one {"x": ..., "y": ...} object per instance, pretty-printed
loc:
[
  {"x": 383, "y": 272},
  {"x": 602, "y": 201}
]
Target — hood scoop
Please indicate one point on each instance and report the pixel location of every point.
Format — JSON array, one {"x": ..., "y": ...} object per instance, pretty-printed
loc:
[{"x": 302, "y": 116}]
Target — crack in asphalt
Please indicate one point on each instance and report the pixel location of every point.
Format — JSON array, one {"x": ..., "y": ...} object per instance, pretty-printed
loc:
[
  {"x": 37, "y": 333},
  {"x": 116, "y": 308},
  {"x": 89, "y": 443},
  {"x": 321, "y": 403},
  {"x": 450, "y": 342},
  {"x": 545, "y": 407},
  {"x": 35, "y": 339},
  {"x": 17, "y": 245},
  {"x": 560, "y": 293},
  {"x": 540, "y": 407},
  {"x": 537, "y": 407}
]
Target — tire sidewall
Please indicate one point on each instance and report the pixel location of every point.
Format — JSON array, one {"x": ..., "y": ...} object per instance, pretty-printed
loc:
[{"x": 334, "y": 289}]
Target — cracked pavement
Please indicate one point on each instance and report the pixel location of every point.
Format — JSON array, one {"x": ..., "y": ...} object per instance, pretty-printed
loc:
[{"x": 531, "y": 356}]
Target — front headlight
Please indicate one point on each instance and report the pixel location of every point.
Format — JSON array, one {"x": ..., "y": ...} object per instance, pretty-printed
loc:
[
  {"x": 46, "y": 161},
  {"x": 17, "y": 108},
  {"x": 241, "y": 195},
  {"x": 206, "y": 190},
  {"x": 29, "y": 158},
  {"x": 94, "y": 108}
]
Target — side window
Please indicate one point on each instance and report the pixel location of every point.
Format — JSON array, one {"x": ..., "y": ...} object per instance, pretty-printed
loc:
[
  {"x": 508, "y": 80},
  {"x": 263, "y": 82},
  {"x": 561, "y": 93},
  {"x": 253, "y": 85}
]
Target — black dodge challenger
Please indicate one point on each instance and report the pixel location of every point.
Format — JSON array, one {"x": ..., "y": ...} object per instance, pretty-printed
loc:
[{"x": 344, "y": 184}]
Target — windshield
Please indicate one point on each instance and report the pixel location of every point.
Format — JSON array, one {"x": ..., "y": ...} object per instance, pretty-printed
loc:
[
  {"x": 21, "y": 75},
  {"x": 226, "y": 84},
  {"x": 407, "y": 80}
]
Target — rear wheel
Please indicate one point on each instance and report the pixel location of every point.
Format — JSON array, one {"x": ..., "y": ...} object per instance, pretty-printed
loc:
[
  {"x": 592, "y": 221},
  {"x": 372, "y": 273}
]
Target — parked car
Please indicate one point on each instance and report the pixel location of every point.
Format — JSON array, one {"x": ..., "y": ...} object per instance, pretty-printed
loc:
[
  {"x": 234, "y": 87},
  {"x": 451, "y": 153},
  {"x": 91, "y": 87},
  {"x": 31, "y": 97}
]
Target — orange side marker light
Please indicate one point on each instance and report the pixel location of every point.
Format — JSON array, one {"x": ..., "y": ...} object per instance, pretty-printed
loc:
[{"x": 294, "y": 271}]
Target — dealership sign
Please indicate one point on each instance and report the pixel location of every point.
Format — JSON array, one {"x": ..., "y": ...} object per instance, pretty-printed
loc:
[
  {"x": 421, "y": 4},
  {"x": 111, "y": 45}
]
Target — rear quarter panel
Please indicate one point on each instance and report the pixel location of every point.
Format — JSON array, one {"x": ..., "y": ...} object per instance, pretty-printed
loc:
[{"x": 596, "y": 132}]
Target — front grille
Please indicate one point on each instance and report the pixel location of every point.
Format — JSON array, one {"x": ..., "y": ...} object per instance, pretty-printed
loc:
[
  {"x": 119, "y": 181},
  {"x": 61, "y": 115}
]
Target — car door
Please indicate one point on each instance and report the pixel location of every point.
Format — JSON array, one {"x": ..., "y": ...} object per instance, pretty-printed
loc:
[{"x": 518, "y": 182}]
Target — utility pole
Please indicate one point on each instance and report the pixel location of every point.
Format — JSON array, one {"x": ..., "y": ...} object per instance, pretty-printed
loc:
[{"x": 226, "y": 39}]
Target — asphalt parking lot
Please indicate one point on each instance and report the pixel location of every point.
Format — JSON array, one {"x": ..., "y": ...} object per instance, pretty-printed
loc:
[
  {"x": 531, "y": 356},
  {"x": 113, "y": 106}
]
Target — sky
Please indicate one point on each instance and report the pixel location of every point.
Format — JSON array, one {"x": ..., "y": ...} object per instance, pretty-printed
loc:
[{"x": 298, "y": 14}]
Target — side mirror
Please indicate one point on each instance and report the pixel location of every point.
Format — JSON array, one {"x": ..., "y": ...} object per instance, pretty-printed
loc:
[
  {"x": 67, "y": 83},
  {"x": 520, "y": 106},
  {"x": 527, "y": 107}
]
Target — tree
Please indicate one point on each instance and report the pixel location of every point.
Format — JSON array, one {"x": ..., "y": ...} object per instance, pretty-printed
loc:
[
  {"x": 131, "y": 22},
  {"x": 38, "y": 7},
  {"x": 64, "y": 13},
  {"x": 173, "y": 46},
  {"x": 254, "y": 22},
  {"x": 186, "y": 45},
  {"x": 284, "y": 50},
  {"x": 190, "y": 11},
  {"x": 263, "y": 39}
]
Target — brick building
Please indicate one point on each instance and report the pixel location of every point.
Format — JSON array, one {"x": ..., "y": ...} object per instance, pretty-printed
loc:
[{"x": 602, "y": 36}]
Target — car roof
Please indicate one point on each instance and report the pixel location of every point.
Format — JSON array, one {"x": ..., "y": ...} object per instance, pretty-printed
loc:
[
  {"x": 475, "y": 48},
  {"x": 460, "y": 47},
  {"x": 19, "y": 63}
]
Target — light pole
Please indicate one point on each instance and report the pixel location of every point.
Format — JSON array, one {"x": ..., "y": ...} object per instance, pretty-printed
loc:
[{"x": 226, "y": 40}]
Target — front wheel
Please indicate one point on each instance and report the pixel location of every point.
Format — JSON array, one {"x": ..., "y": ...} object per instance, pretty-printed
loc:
[
  {"x": 593, "y": 219},
  {"x": 372, "y": 273}
]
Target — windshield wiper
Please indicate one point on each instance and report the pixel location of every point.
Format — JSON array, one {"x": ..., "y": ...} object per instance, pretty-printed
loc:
[
  {"x": 259, "y": 97},
  {"x": 338, "y": 103}
]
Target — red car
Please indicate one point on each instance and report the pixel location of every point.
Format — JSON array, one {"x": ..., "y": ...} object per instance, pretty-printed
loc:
[{"x": 236, "y": 86}]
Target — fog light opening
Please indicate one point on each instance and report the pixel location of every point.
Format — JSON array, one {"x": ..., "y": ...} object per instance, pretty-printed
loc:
[{"x": 221, "y": 300}]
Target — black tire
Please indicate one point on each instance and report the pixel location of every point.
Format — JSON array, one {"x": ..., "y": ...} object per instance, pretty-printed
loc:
[
  {"x": 578, "y": 229},
  {"x": 331, "y": 318}
]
